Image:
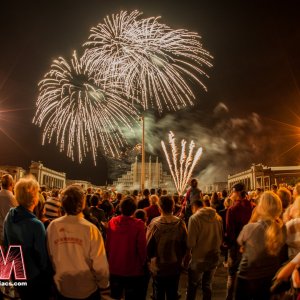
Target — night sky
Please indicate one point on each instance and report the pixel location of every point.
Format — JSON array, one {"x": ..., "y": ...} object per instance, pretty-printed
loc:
[{"x": 249, "y": 114}]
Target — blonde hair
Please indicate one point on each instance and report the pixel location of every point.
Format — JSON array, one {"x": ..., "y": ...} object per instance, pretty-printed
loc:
[
  {"x": 27, "y": 191},
  {"x": 269, "y": 209},
  {"x": 154, "y": 199},
  {"x": 228, "y": 202}
]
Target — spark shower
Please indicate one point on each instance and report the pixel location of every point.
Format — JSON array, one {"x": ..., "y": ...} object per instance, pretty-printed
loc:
[
  {"x": 181, "y": 167},
  {"x": 129, "y": 64}
]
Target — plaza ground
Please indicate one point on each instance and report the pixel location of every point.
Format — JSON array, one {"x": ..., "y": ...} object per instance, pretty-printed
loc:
[{"x": 219, "y": 285}]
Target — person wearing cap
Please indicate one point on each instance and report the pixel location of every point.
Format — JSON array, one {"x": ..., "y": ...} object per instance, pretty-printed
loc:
[{"x": 237, "y": 217}]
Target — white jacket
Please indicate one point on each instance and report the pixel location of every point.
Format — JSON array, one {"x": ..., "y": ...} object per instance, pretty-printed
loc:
[{"x": 77, "y": 252}]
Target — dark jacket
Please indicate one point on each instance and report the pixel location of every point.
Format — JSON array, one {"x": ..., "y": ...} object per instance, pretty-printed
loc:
[
  {"x": 166, "y": 245},
  {"x": 145, "y": 202},
  {"x": 21, "y": 227},
  {"x": 237, "y": 217}
]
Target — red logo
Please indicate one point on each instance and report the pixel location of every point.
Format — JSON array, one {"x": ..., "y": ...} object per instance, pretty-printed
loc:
[{"x": 13, "y": 262}]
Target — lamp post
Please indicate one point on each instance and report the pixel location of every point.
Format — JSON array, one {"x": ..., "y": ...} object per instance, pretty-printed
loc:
[{"x": 143, "y": 155}]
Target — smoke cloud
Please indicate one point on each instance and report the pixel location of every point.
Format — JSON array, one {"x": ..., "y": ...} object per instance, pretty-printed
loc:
[{"x": 230, "y": 143}]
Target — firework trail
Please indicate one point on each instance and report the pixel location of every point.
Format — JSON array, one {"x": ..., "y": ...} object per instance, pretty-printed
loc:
[
  {"x": 79, "y": 112},
  {"x": 187, "y": 163},
  {"x": 154, "y": 62}
]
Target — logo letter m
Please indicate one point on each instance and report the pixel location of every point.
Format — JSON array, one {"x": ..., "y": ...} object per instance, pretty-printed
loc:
[{"x": 12, "y": 262}]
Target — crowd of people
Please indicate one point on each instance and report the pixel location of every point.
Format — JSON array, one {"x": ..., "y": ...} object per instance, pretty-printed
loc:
[{"x": 106, "y": 245}]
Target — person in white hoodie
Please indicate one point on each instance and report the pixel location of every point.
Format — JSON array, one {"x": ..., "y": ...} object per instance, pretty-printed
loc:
[
  {"x": 77, "y": 251},
  {"x": 205, "y": 233}
]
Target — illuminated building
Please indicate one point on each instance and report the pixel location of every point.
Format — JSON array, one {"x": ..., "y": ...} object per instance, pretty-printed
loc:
[
  {"x": 14, "y": 171},
  {"x": 48, "y": 177},
  {"x": 155, "y": 177},
  {"x": 260, "y": 176}
]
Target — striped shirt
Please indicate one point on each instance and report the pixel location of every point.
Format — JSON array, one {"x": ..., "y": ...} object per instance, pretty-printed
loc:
[{"x": 52, "y": 208}]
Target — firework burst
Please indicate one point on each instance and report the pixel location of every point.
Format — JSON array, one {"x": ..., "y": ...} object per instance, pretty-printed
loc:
[
  {"x": 181, "y": 169},
  {"x": 154, "y": 62},
  {"x": 80, "y": 113}
]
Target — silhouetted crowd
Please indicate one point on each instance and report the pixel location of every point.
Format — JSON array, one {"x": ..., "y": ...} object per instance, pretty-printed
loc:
[{"x": 104, "y": 244}]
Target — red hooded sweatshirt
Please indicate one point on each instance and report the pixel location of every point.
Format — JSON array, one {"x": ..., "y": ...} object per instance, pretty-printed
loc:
[{"x": 126, "y": 246}]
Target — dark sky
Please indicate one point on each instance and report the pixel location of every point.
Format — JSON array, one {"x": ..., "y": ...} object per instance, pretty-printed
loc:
[{"x": 256, "y": 49}]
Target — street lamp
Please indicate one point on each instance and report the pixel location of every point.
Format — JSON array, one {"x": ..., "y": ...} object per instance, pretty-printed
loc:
[{"x": 143, "y": 154}]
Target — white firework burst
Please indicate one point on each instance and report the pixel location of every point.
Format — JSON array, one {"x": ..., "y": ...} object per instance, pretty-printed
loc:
[
  {"x": 80, "y": 113},
  {"x": 155, "y": 63}
]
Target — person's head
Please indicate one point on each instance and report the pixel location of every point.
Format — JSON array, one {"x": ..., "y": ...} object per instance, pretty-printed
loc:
[
  {"x": 45, "y": 195},
  {"x": 197, "y": 204},
  {"x": 224, "y": 194},
  {"x": 27, "y": 192},
  {"x": 54, "y": 193},
  {"x": 39, "y": 209},
  {"x": 214, "y": 200},
  {"x": 128, "y": 206},
  {"x": 152, "y": 191},
  {"x": 269, "y": 206},
  {"x": 43, "y": 188},
  {"x": 274, "y": 188},
  {"x": 269, "y": 209},
  {"x": 194, "y": 183},
  {"x": 159, "y": 191},
  {"x": 154, "y": 199},
  {"x": 89, "y": 190},
  {"x": 146, "y": 193},
  {"x": 141, "y": 215},
  {"x": 215, "y": 197},
  {"x": 285, "y": 197},
  {"x": 252, "y": 195},
  {"x": 164, "y": 192},
  {"x": 135, "y": 193},
  {"x": 119, "y": 196},
  {"x": 73, "y": 199},
  {"x": 206, "y": 200},
  {"x": 7, "y": 182},
  {"x": 228, "y": 202},
  {"x": 106, "y": 195},
  {"x": 95, "y": 200},
  {"x": 238, "y": 191},
  {"x": 166, "y": 205}
]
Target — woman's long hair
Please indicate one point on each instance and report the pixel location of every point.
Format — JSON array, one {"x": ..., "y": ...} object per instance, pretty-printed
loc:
[{"x": 269, "y": 209}]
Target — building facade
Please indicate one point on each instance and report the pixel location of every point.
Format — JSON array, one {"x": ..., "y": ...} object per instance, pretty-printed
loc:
[
  {"x": 260, "y": 176},
  {"x": 155, "y": 177},
  {"x": 14, "y": 171},
  {"x": 47, "y": 177},
  {"x": 214, "y": 187},
  {"x": 84, "y": 184}
]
